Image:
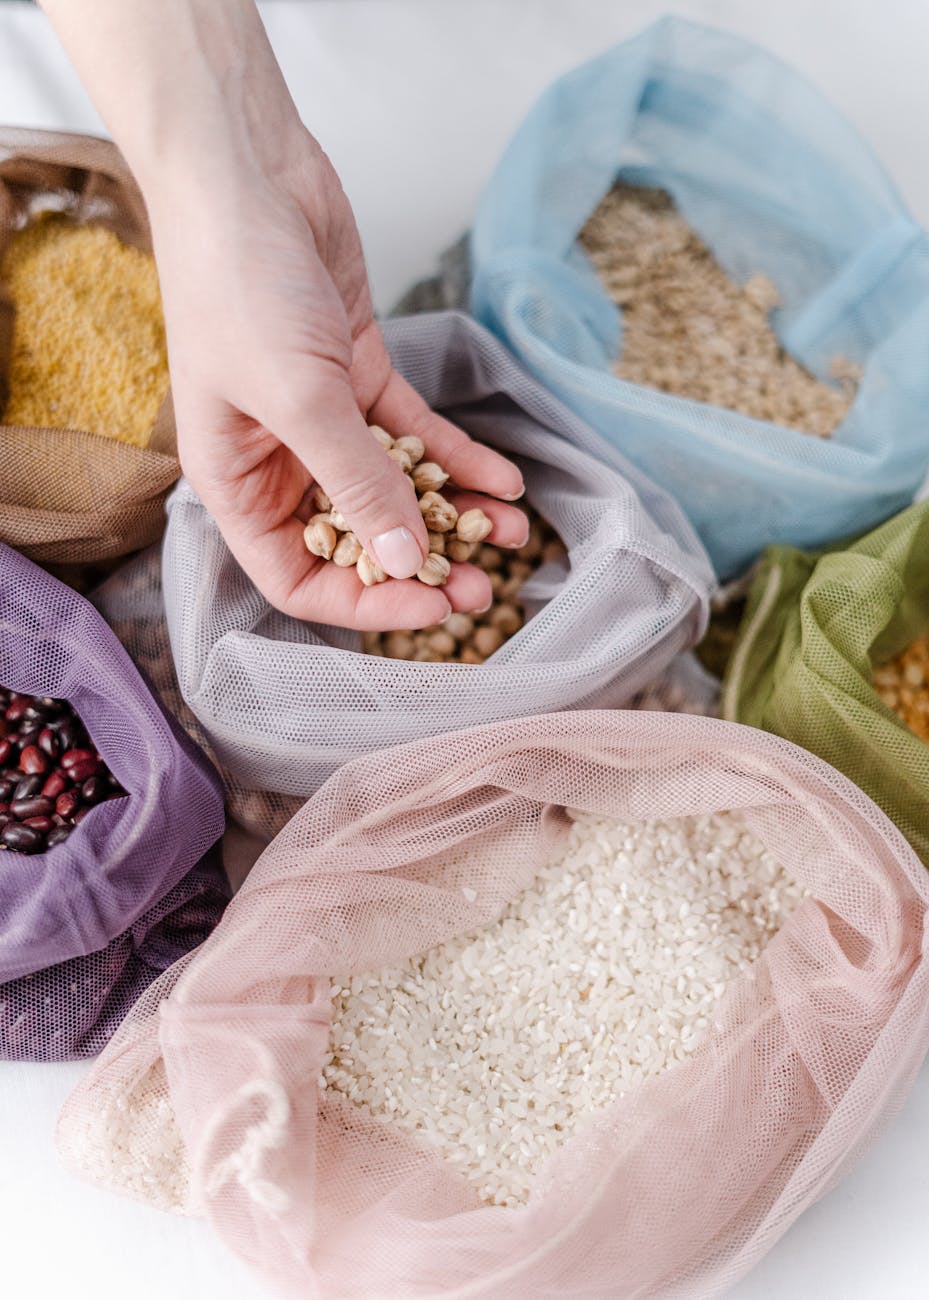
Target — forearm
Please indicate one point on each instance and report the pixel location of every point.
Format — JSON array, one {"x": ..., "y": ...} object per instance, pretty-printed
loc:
[{"x": 188, "y": 88}]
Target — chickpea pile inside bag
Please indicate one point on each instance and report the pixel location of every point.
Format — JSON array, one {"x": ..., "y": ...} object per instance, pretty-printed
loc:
[
  {"x": 775, "y": 182},
  {"x": 816, "y": 626},
  {"x": 72, "y": 497},
  {"x": 208, "y": 1099},
  {"x": 283, "y": 703},
  {"x": 87, "y": 925}
]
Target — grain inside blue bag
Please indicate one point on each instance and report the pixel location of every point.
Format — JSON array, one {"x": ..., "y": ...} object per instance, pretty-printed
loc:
[{"x": 737, "y": 153}]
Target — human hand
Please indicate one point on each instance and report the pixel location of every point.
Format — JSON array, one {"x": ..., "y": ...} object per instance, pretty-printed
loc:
[{"x": 277, "y": 364}]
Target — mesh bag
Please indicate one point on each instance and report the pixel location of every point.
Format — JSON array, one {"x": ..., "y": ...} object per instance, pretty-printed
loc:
[
  {"x": 284, "y": 703},
  {"x": 207, "y": 1098},
  {"x": 815, "y": 627},
  {"x": 92, "y": 921},
  {"x": 69, "y": 496},
  {"x": 132, "y": 602},
  {"x": 774, "y": 181}
]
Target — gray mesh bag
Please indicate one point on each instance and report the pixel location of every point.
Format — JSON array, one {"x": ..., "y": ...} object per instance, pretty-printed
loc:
[{"x": 284, "y": 703}]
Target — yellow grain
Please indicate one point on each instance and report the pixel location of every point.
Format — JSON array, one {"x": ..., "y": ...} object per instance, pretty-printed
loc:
[{"x": 88, "y": 338}]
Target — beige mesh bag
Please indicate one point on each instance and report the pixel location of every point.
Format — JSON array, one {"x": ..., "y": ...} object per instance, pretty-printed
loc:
[
  {"x": 207, "y": 1100},
  {"x": 68, "y": 496}
]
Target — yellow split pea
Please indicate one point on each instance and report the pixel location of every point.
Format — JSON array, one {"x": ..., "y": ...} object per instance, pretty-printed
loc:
[{"x": 88, "y": 336}]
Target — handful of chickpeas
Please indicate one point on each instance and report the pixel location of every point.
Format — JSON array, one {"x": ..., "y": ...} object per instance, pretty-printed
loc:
[{"x": 473, "y": 638}]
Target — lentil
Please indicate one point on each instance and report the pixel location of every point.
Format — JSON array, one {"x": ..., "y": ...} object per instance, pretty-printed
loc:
[
  {"x": 89, "y": 347},
  {"x": 690, "y": 330}
]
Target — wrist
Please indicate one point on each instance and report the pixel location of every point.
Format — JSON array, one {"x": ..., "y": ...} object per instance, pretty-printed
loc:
[{"x": 189, "y": 89}]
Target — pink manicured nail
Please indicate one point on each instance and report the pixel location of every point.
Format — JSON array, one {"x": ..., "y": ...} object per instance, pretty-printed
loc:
[{"x": 398, "y": 553}]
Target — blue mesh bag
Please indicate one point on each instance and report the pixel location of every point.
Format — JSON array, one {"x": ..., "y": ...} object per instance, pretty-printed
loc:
[{"x": 774, "y": 181}]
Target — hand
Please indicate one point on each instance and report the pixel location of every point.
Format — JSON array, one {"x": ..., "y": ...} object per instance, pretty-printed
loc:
[
  {"x": 276, "y": 360},
  {"x": 276, "y": 365}
]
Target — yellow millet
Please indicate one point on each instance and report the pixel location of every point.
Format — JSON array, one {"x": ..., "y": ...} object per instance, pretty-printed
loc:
[
  {"x": 903, "y": 685},
  {"x": 88, "y": 336}
]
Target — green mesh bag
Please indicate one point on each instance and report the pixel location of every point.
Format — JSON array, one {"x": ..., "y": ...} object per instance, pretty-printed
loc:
[{"x": 815, "y": 626}]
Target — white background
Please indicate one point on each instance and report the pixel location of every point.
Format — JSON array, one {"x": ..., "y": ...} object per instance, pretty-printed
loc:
[{"x": 414, "y": 100}]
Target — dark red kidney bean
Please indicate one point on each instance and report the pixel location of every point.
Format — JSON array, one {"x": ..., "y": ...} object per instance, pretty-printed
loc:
[
  {"x": 93, "y": 790},
  {"x": 16, "y": 710},
  {"x": 25, "y": 839},
  {"x": 67, "y": 804},
  {"x": 72, "y": 757},
  {"x": 6, "y": 790},
  {"x": 41, "y": 824},
  {"x": 79, "y": 772},
  {"x": 5, "y": 819},
  {"x": 48, "y": 742},
  {"x": 31, "y": 759},
  {"x": 27, "y": 786},
  {"x": 55, "y": 783},
  {"x": 35, "y": 806},
  {"x": 6, "y": 748},
  {"x": 57, "y": 835}
]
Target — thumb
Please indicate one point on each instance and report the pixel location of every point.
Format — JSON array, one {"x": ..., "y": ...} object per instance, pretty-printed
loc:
[{"x": 321, "y": 424}]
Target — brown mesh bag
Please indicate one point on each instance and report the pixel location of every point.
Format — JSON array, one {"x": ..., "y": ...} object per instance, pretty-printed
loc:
[{"x": 68, "y": 496}]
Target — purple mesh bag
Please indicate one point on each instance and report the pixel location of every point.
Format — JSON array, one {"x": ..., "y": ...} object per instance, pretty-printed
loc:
[{"x": 127, "y": 892}]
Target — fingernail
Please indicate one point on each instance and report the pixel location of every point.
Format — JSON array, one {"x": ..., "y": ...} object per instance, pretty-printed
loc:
[
  {"x": 398, "y": 553},
  {"x": 513, "y": 496},
  {"x": 484, "y": 608}
]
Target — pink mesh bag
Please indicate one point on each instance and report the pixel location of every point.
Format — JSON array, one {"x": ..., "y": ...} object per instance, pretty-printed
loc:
[{"x": 207, "y": 1099}]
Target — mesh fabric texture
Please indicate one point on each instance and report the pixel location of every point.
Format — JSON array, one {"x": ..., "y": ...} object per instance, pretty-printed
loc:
[
  {"x": 815, "y": 627},
  {"x": 773, "y": 180},
  {"x": 284, "y": 703},
  {"x": 132, "y": 602},
  {"x": 678, "y": 1188},
  {"x": 128, "y": 854},
  {"x": 68, "y": 496}
]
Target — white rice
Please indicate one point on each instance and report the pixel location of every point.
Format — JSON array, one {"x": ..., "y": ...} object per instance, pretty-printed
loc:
[{"x": 604, "y": 972}]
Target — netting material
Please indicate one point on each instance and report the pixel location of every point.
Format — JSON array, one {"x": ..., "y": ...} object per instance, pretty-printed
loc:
[
  {"x": 127, "y": 857},
  {"x": 284, "y": 703},
  {"x": 69, "y": 496},
  {"x": 815, "y": 627},
  {"x": 773, "y": 180},
  {"x": 676, "y": 1190}
]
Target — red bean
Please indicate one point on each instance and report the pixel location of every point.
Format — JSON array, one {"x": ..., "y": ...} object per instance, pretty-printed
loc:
[
  {"x": 41, "y": 824},
  {"x": 16, "y": 710},
  {"x": 32, "y": 760},
  {"x": 57, "y": 835},
  {"x": 67, "y": 804},
  {"x": 74, "y": 756},
  {"x": 48, "y": 742},
  {"x": 79, "y": 772},
  {"x": 25, "y": 839},
  {"x": 34, "y": 807},
  {"x": 6, "y": 749},
  {"x": 55, "y": 783}
]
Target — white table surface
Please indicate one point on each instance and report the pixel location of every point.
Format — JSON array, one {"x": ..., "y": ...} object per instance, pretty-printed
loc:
[{"x": 414, "y": 100}]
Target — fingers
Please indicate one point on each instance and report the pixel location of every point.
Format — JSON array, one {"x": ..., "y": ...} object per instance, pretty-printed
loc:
[
  {"x": 510, "y": 525},
  {"x": 319, "y": 420},
  {"x": 400, "y": 409}
]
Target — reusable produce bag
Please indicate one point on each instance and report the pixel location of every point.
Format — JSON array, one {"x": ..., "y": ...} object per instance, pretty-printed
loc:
[
  {"x": 68, "y": 496},
  {"x": 284, "y": 703},
  {"x": 208, "y": 1100},
  {"x": 815, "y": 627},
  {"x": 93, "y": 920},
  {"x": 774, "y": 181}
]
